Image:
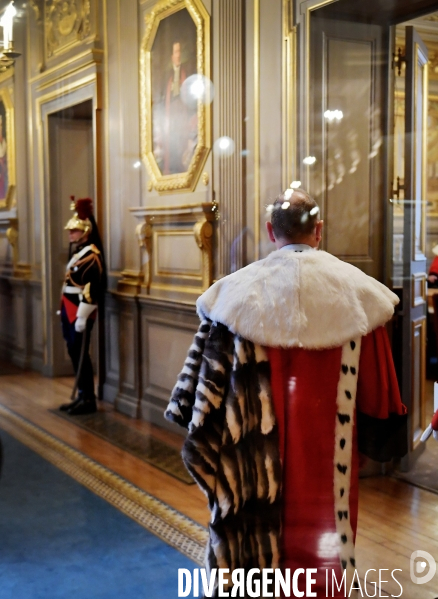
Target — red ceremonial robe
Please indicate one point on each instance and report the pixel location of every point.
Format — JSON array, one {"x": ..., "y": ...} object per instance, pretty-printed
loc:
[
  {"x": 304, "y": 389},
  {"x": 334, "y": 392},
  {"x": 433, "y": 270}
]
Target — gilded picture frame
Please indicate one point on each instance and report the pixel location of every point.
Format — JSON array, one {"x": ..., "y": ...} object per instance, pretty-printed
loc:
[
  {"x": 432, "y": 155},
  {"x": 175, "y": 124},
  {"x": 7, "y": 148}
]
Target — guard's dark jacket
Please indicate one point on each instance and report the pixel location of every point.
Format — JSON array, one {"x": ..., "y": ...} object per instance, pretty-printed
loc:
[
  {"x": 83, "y": 279},
  {"x": 82, "y": 288}
]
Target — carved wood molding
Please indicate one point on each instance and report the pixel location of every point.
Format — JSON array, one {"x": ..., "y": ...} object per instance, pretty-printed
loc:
[
  {"x": 229, "y": 18},
  {"x": 177, "y": 223}
]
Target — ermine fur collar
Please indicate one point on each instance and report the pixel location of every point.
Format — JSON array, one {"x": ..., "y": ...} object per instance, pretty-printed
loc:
[{"x": 298, "y": 299}]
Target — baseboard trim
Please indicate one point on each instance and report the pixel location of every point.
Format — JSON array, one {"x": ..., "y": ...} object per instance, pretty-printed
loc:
[
  {"x": 155, "y": 414},
  {"x": 110, "y": 392},
  {"x": 127, "y": 405}
]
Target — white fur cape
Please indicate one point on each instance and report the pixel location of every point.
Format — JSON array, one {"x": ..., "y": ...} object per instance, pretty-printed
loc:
[{"x": 304, "y": 299}]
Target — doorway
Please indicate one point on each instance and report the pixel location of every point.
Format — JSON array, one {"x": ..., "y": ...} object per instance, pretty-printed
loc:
[
  {"x": 425, "y": 221},
  {"x": 71, "y": 173},
  {"x": 353, "y": 102}
]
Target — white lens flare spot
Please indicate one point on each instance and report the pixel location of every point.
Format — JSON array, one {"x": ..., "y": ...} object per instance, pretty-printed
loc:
[
  {"x": 224, "y": 146},
  {"x": 328, "y": 545},
  {"x": 292, "y": 384},
  {"x": 295, "y": 184},
  {"x": 137, "y": 164},
  {"x": 309, "y": 160},
  {"x": 285, "y": 205},
  {"x": 314, "y": 211},
  {"x": 197, "y": 88},
  {"x": 288, "y": 194},
  {"x": 333, "y": 115}
]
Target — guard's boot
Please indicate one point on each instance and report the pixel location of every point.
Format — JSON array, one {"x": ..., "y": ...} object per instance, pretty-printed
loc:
[
  {"x": 66, "y": 406},
  {"x": 84, "y": 406}
]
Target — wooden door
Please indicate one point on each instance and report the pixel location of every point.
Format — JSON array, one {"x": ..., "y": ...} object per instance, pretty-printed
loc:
[
  {"x": 414, "y": 239},
  {"x": 347, "y": 137}
]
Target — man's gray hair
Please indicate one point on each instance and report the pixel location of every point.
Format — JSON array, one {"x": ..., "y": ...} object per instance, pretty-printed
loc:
[{"x": 294, "y": 215}]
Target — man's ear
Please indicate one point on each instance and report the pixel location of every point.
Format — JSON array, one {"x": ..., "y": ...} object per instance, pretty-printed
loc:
[
  {"x": 318, "y": 231},
  {"x": 270, "y": 232}
]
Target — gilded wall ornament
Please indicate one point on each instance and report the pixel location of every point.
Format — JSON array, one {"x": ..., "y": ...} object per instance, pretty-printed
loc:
[
  {"x": 37, "y": 7},
  {"x": 65, "y": 22},
  {"x": 7, "y": 147},
  {"x": 143, "y": 232},
  {"x": 175, "y": 93},
  {"x": 163, "y": 229},
  {"x": 203, "y": 232},
  {"x": 12, "y": 237}
]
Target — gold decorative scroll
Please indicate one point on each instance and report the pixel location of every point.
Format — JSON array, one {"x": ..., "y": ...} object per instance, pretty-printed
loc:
[
  {"x": 12, "y": 237},
  {"x": 203, "y": 231},
  {"x": 130, "y": 282},
  {"x": 144, "y": 235}
]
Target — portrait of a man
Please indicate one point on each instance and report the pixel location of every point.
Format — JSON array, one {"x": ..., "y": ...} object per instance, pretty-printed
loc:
[
  {"x": 4, "y": 179},
  {"x": 174, "y": 116}
]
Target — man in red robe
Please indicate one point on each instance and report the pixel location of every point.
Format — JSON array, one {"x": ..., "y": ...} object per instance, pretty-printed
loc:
[
  {"x": 289, "y": 376},
  {"x": 176, "y": 123}
]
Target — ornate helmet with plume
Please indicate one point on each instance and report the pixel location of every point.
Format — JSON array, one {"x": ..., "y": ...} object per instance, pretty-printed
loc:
[{"x": 82, "y": 217}]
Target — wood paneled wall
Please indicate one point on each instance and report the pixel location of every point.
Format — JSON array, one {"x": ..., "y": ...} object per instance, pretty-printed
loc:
[
  {"x": 229, "y": 115},
  {"x": 145, "y": 338}
]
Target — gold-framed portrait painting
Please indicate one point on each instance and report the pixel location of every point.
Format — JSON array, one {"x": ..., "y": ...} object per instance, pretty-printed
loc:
[
  {"x": 7, "y": 149},
  {"x": 175, "y": 94}
]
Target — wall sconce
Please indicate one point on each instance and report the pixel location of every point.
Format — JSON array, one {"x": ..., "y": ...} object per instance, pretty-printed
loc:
[{"x": 8, "y": 56}]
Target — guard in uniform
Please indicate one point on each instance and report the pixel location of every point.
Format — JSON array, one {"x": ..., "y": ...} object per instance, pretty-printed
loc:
[{"x": 81, "y": 293}]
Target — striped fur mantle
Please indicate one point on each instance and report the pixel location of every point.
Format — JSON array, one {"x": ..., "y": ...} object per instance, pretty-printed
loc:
[{"x": 223, "y": 398}]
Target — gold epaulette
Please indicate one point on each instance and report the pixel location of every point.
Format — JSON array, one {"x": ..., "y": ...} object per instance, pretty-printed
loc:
[
  {"x": 94, "y": 249},
  {"x": 87, "y": 293}
]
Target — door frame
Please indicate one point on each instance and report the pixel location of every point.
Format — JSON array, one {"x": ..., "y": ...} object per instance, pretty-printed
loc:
[
  {"x": 61, "y": 98},
  {"x": 414, "y": 303},
  {"x": 60, "y": 212}
]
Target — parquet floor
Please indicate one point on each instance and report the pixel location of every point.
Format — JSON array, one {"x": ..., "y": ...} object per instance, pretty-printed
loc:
[
  {"x": 32, "y": 396},
  {"x": 395, "y": 518}
]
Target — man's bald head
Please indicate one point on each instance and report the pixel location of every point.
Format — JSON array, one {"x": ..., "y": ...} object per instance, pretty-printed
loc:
[{"x": 294, "y": 216}]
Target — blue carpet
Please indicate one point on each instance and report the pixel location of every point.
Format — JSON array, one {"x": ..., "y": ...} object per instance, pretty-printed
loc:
[{"x": 60, "y": 541}]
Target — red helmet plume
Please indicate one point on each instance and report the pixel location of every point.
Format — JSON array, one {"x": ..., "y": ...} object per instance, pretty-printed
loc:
[{"x": 84, "y": 208}]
